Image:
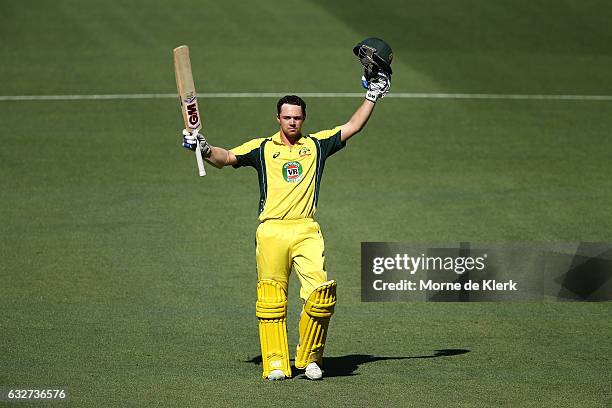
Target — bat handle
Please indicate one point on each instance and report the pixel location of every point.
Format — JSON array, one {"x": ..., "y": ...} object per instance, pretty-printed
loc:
[{"x": 198, "y": 153}]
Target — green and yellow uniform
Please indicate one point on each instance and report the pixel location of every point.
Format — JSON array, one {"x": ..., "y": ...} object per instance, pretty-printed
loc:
[
  {"x": 288, "y": 236},
  {"x": 289, "y": 176},
  {"x": 289, "y": 181}
]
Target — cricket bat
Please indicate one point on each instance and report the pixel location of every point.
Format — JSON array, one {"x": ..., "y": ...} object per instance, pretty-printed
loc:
[{"x": 188, "y": 98}]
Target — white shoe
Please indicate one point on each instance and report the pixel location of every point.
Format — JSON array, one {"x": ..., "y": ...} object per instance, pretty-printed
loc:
[
  {"x": 276, "y": 375},
  {"x": 313, "y": 371}
]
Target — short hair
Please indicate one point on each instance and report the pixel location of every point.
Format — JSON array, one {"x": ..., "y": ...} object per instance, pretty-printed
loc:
[{"x": 291, "y": 100}]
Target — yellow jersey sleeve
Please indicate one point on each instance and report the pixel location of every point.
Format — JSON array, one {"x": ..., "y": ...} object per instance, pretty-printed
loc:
[
  {"x": 329, "y": 141},
  {"x": 248, "y": 154}
]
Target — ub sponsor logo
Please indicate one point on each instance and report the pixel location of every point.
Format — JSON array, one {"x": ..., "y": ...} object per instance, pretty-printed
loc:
[{"x": 292, "y": 172}]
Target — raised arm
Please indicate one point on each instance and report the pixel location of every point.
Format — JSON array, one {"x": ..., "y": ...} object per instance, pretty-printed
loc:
[
  {"x": 357, "y": 121},
  {"x": 377, "y": 89},
  {"x": 219, "y": 157}
]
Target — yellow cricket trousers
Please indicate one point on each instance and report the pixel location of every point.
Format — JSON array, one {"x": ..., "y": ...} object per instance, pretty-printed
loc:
[{"x": 282, "y": 244}]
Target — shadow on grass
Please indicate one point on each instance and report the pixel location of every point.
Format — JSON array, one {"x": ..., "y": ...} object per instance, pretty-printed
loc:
[{"x": 344, "y": 366}]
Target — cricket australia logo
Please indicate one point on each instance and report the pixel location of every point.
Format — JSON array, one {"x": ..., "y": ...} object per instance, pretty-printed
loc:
[
  {"x": 292, "y": 172},
  {"x": 304, "y": 151}
]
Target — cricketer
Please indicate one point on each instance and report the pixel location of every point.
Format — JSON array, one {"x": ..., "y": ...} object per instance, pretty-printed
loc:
[{"x": 289, "y": 166}]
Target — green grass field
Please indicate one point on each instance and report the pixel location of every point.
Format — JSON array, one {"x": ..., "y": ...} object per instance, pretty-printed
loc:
[{"x": 129, "y": 281}]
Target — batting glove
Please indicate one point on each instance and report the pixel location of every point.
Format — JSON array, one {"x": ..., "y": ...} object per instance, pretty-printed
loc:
[
  {"x": 377, "y": 87},
  {"x": 190, "y": 142}
]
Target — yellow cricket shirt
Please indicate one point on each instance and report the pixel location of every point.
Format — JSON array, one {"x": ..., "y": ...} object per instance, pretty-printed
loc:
[{"x": 289, "y": 177}]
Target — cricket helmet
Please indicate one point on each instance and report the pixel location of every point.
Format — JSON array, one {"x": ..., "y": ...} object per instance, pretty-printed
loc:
[{"x": 374, "y": 54}]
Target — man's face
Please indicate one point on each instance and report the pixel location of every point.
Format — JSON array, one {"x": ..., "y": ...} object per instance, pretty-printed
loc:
[{"x": 290, "y": 120}]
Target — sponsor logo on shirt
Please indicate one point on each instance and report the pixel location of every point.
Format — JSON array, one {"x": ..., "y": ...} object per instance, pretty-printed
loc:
[{"x": 292, "y": 172}]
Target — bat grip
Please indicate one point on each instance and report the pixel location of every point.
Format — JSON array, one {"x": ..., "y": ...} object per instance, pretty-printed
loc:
[{"x": 198, "y": 153}]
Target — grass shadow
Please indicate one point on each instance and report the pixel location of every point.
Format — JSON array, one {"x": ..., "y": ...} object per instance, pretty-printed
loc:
[{"x": 345, "y": 366}]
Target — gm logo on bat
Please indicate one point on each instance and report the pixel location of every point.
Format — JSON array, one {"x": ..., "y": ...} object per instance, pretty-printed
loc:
[{"x": 191, "y": 105}]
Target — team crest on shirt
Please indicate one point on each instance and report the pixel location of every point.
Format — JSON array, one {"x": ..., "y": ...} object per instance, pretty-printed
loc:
[
  {"x": 292, "y": 172},
  {"x": 304, "y": 151}
]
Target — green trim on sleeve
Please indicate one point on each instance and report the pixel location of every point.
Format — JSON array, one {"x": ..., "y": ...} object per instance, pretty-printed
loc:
[
  {"x": 327, "y": 142},
  {"x": 249, "y": 159},
  {"x": 331, "y": 144},
  {"x": 251, "y": 154}
]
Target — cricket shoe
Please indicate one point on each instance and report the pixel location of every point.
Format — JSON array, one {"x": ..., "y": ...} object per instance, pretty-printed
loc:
[
  {"x": 313, "y": 371},
  {"x": 276, "y": 375}
]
